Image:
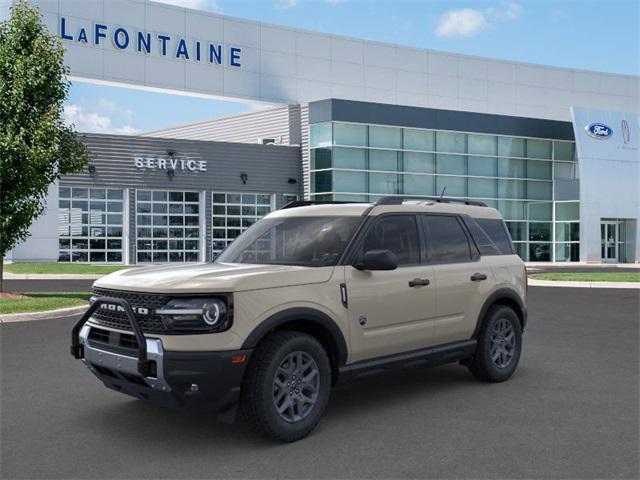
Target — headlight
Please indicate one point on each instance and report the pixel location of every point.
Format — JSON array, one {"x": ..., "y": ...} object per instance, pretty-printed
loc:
[{"x": 196, "y": 314}]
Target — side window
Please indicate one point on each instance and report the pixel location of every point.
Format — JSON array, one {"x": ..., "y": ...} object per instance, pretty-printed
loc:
[
  {"x": 484, "y": 243},
  {"x": 497, "y": 231},
  {"x": 446, "y": 239},
  {"x": 398, "y": 233}
]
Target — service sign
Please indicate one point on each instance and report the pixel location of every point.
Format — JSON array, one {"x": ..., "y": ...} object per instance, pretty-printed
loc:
[{"x": 170, "y": 163}]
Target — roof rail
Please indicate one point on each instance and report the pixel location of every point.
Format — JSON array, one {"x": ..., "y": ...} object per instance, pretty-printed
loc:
[
  {"x": 306, "y": 203},
  {"x": 397, "y": 200}
]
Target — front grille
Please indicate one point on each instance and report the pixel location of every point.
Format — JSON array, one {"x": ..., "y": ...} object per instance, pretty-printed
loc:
[
  {"x": 150, "y": 323},
  {"x": 105, "y": 338}
]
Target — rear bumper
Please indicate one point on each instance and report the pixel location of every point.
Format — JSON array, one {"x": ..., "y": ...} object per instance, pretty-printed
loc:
[{"x": 206, "y": 381}]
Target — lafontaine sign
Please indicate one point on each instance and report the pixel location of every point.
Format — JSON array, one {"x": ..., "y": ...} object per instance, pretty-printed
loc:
[
  {"x": 171, "y": 163},
  {"x": 160, "y": 44}
]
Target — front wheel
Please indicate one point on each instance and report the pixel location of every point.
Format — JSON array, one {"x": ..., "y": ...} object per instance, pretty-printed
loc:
[
  {"x": 499, "y": 345},
  {"x": 287, "y": 386}
]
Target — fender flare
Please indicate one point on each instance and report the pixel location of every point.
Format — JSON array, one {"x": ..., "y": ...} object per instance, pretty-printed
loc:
[
  {"x": 305, "y": 314},
  {"x": 502, "y": 294}
]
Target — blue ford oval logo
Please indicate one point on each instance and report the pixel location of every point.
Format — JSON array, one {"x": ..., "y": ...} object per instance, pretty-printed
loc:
[{"x": 599, "y": 130}]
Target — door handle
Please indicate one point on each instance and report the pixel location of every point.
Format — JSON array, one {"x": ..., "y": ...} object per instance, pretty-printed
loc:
[
  {"x": 478, "y": 277},
  {"x": 419, "y": 282}
]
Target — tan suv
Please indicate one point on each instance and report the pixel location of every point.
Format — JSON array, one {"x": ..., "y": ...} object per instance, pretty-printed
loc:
[{"x": 310, "y": 296}]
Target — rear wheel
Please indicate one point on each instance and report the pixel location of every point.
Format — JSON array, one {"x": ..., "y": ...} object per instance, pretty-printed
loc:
[
  {"x": 499, "y": 345},
  {"x": 287, "y": 386}
]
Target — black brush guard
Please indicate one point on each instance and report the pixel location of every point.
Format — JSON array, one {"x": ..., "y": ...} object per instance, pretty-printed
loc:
[{"x": 144, "y": 365}]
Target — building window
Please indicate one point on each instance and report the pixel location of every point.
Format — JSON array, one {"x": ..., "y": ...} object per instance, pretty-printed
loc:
[
  {"x": 360, "y": 162},
  {"x": 233, "y": 213},
  {"x": 90, "y": 225},
  {"x": 167, "y": 226},
  {"x": 288, "y": 198}
]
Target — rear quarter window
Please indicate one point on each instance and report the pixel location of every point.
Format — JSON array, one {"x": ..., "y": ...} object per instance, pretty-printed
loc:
[{"x": 496, "y": 230}]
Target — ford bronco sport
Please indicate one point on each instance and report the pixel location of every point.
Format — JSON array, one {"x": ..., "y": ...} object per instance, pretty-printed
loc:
[{"x": 309, "y": 296}]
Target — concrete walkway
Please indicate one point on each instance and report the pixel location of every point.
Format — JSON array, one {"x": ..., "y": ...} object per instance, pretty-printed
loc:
[
  {"x": 552, "y": 283},
  {"x": 27, "y": 316},
  {"x": 52, "y": 276}
]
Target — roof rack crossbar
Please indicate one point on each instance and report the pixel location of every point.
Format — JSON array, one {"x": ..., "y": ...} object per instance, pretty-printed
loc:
[
  {"x": 397, "y": 200},
  {"x": 306, "y": 203}
]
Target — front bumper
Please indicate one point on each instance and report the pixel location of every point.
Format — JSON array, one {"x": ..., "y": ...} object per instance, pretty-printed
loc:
[
  {"x": 140, "y": 367},
  {"x": 207, "y": 381}
]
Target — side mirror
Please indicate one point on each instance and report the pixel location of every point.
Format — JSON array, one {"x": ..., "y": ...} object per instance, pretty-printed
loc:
[{"x": 377, "y": 260}]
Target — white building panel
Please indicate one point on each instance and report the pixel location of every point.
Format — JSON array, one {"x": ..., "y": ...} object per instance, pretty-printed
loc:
[
  {"x": 380, "y": 55},
  {"x": 343, "y": 50},
  {"x": 313, "y": 45},
  {"x": 443, "y": 64},
  {"x": 204, "y": 26},
  {"x": 411, "y": 59},
  {"x": 472, "y": 68},
  {"x": 124, "y": 12},
  {"x": 277, "y": 39},
  {"x": 531, "y": 75},
  {"x": 348, "y": 66},
  {"x": 609, "y": 176},
  {"x": 119, "y": 66},
  {"x": 379, "y": 77}
]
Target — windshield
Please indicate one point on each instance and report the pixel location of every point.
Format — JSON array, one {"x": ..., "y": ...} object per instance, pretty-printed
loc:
[{"x": 304, "y": 241}]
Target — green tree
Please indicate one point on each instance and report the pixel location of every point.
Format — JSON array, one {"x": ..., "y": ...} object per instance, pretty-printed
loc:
[{"x": 36, "y": 146}]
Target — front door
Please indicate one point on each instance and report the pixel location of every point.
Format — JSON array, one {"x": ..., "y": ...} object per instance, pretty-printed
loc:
[
  {"x": 391, "y": 311},
  {"x": 609, "y": 241}
]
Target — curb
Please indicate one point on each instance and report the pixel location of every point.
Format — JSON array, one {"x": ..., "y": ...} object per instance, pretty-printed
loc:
[
  {"x": 48, "y": 314},
  {"x": 552, "y": 283},
  {"x": 49, "y": 276}
]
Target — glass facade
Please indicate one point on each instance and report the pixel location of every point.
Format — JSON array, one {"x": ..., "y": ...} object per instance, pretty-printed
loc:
[
  {"x": 233, "y": 213},
  {"x": 167, "y": 226},
  {"x": 360, "y": 162},
  {"x": 90, "y": 225}
]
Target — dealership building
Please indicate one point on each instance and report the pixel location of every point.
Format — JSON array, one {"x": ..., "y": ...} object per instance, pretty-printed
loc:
[{"x": 555, "y": 150}]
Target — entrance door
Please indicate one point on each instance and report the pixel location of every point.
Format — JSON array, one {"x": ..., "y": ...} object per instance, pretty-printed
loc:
[{"x": 609, "y": 241}]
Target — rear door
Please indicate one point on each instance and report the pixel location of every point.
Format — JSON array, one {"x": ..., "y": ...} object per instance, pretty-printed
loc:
[{"x": 462, "y": 277}]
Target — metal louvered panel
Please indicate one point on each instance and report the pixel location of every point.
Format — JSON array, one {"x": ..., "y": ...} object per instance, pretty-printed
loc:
[
  {"x": 280, "y": 124},
  {"x": 304, "y": 147}
]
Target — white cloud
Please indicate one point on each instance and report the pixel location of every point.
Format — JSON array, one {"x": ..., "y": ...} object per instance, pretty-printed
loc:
[
  {"x": 467, "y": 22},
  {"x": 105, "y": 117},
  {"x": 208, "y": 5},
  {"x": 505, "y": 12},
  {"x": 286, "y": 4}
]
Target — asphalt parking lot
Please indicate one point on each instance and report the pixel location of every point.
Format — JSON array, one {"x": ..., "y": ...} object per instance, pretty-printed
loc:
[{"x": 571, "y": 411}]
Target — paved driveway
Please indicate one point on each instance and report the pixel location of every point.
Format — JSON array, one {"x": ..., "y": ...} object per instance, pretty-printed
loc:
[{"x": 570, "y": 411}]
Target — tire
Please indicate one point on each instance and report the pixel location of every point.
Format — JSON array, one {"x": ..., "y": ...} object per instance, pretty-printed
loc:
[
  {"x": 499, "y": 345},
  {"x": 269, "y": 383}
]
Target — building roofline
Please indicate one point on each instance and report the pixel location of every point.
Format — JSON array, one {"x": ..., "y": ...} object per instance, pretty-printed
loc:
[{"x": 214, "y": 119}]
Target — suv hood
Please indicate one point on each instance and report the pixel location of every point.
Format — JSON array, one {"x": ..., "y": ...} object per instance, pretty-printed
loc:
[{"x": 212, "y": 278}]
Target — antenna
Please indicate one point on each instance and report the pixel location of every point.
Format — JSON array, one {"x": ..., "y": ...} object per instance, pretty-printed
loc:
[{"x": 444, "y": 189}]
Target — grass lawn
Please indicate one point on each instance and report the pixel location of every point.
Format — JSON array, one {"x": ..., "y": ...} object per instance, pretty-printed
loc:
[
  {"x": 54, "y": 268},
  {"x": 589, "y": 276},
  {"x": 43, "y": 301}
]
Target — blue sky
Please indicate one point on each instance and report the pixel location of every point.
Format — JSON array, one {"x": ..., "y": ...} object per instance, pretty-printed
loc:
[{"x": 600, "y": 35}]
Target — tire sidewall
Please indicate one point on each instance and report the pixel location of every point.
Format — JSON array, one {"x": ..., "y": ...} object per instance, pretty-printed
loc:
[
  {"x": 309, "y": 345},
  {"x": 497, "y": 373}
]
